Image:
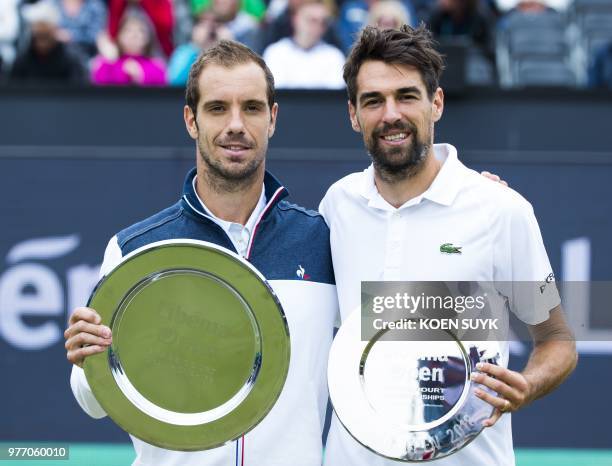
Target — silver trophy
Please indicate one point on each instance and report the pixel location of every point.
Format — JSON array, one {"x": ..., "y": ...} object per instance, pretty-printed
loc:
[
  {"x": 200, "y": 348},
  {"x": 407, "y": 400}
]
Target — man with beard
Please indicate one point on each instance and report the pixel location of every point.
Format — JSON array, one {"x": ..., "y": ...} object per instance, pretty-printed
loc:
[
  {"x": 230, "y": 200},
  {"x": 418, "y": 214}
]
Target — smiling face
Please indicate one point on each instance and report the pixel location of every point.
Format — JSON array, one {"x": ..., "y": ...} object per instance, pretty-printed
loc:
[
  {"x": 232, "y": 125},
  {"x": 395, "y": 116}
]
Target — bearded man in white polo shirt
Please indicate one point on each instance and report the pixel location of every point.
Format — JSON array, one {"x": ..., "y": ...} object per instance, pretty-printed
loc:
[{"x": 390, "y": 221}]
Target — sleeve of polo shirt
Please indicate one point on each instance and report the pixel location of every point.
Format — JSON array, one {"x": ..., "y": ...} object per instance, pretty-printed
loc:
[
  {"x": 328, "y": 205},
  {"x": 522, "y": 270},
  {"x": 78, "y": 382},
  {"x": 323, "y": 207}
]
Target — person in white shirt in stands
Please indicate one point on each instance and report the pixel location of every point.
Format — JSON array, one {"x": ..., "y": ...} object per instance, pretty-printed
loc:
[
  {"x": 389, "y": 222},
  {"x": 305, "y": 60}
]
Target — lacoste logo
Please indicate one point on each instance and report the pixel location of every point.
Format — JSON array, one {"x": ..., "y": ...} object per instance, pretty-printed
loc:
[
  {"x": 448, "y": 248},
  {"x": 549, "y": 278},
  {"x": 300, "y": 272}
]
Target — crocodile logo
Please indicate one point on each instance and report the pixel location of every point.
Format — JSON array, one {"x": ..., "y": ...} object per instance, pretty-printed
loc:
[{"x": 448, "y": 248}]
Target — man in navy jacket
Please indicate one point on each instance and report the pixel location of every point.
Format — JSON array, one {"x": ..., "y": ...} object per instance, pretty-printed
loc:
[{"x": 229, "y": 199}]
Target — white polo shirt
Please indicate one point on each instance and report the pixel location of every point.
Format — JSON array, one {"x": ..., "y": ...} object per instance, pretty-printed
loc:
[{"x": 373, "y": 241}]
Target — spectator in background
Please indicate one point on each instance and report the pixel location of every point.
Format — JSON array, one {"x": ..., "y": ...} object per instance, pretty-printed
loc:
[
  {"x": 241, "y": 25},
  {"x": 388, "y": 14},
  {"x": 81, "y": 23},
  {"x": 160, "y": 12},
  {"x": 254, "y": 8},
  {"x": 354, "y": 16},
  {"x": 9, "y": 31},
  {"x": 531, "y": 6},
  {"x": 514, "y": 9},
  {"x": 183, "y": 22},
  {"x": 224, "y": 20},
  {"x": 600, "y": 74},
  {"x": 465, "y": 19},
  {"x": 131, "y": 60},
  {"x": 205, "y": 33},
  {"x": 423, "y": 9},
  {"x": 305, "y": 60},
  {"x": 46, "y": 58},
  {"x": 281, "y": 26}
]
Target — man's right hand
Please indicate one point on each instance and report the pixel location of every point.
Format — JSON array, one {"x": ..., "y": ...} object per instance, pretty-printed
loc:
[{"x": 85, "y": 335}]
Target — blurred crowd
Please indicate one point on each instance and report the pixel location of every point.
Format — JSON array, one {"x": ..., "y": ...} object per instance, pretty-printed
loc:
[{"x": 304, "y": 42}]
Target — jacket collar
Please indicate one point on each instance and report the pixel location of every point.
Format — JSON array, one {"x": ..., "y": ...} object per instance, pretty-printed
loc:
[{"x": 273, "y": 189}]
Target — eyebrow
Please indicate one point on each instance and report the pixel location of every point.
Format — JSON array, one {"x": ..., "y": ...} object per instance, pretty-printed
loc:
[
  {"x": 256, "y": 102},
  {"x": 368, "y": 95},
  {"x": 212, "y": 103},
  {"x": 403, "y": 90},
  {"x": 409, "y": 90}
]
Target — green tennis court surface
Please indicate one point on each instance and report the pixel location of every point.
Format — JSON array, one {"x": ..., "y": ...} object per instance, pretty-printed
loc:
[{"x": 98, "y": 454}]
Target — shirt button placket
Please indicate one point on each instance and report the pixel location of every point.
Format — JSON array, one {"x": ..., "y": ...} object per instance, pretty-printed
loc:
[
  {"x": 394, "y": 247},
  {"x": 243, "y": 241}
]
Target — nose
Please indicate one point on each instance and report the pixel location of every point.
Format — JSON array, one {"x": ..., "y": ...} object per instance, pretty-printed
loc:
[
  {"x": 236, "y": 123},
  {"x": 392, "y": 113}
]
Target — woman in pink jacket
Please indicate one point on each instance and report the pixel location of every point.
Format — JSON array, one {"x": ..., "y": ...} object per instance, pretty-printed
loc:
[{"x": 131, "y": 60}]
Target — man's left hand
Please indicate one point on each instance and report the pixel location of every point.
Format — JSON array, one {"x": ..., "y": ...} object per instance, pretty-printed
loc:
[
  {"x": 493, "y": 177},
  {"x": 512, "y": 388}
]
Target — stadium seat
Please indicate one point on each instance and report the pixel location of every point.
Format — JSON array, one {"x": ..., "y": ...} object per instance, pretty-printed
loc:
[
  {"x": 535, "y": 42},
  {"x": 544, "y": 73},
  {"x": 590, "y": 27}
]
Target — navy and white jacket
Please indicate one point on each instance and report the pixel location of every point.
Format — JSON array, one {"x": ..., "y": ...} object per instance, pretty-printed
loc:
[{"x": 290, "y": 247}]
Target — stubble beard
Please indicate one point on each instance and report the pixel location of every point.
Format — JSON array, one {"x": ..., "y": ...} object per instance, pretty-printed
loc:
[
  {"x": 229, "y": 180},
  {"x": 397, "y": 164}
]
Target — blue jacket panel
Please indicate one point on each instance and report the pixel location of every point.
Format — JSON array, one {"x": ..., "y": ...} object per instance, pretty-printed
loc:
[{"x": 288, "y": 242}]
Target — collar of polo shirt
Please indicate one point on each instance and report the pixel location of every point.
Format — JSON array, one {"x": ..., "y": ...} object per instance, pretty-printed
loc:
[{"x": 443, "y": 189}]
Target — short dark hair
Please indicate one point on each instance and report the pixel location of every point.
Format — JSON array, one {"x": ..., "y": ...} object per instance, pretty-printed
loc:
[
  {"x": 405, "y": 46},
  {"x": 227, "y": 53}
]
